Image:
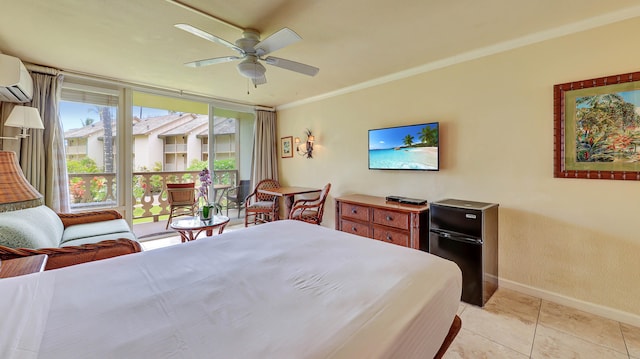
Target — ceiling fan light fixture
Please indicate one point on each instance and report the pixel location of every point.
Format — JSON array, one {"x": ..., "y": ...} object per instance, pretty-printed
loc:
[
  {"x": 250, "y": 49},
  {"x": 251, "y": 68}
]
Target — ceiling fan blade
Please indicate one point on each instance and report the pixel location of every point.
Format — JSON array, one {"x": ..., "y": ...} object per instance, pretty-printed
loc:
[
  {"x": 213, "y": 61},
  {"x": 279, "y": 39},
  {"x": 259, "y": 80},
  {"x": 292, "y": 65},
  {"x": 207, "y": 36}
]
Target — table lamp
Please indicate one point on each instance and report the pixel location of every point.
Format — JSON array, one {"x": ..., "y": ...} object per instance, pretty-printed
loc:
[{"x": 15, "y": 190}]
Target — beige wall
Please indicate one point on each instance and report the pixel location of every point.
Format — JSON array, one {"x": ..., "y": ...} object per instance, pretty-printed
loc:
[{"x": 574, "y": 239}]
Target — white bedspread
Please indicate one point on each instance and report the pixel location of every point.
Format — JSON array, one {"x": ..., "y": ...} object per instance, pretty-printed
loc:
[{"x": 280, "y": 290}]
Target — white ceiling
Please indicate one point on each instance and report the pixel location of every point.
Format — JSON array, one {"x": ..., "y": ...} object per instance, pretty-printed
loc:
[{"x": 351, "y": 41}]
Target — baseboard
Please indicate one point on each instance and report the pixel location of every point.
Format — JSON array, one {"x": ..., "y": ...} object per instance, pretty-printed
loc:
[{"x": 606, "y": 312}]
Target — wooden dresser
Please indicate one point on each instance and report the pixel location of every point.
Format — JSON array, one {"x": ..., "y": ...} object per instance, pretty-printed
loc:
[{"x": 374, "y": 217}]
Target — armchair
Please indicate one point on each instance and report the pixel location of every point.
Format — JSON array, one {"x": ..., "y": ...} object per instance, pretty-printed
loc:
[
  {"x": 237, "y": 196},
  {"x": 310, "y": 210},
  {"x": 182, "y": 200},
  {"x": 261, "y": 207}
]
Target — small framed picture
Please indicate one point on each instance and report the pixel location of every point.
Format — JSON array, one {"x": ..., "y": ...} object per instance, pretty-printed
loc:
[{"x": 286, "y": 147}]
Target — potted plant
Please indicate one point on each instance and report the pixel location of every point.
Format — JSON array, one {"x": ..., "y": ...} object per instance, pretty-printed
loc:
[{"x": 207, "y": 209}]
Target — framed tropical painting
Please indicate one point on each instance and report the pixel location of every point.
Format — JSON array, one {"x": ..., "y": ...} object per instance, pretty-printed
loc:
[
  {"x": 597, "y": 128},
  {"x": 286, "y": 147}
]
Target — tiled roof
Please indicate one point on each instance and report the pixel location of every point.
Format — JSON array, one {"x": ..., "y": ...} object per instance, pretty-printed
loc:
[
  {"x": 153, "y": 123},
  {"x": 85, "y": 131},
  {"x": 221, "y": 126},
  {"x": 187, "y": 127},
  {"x": 186, "y": 123}
]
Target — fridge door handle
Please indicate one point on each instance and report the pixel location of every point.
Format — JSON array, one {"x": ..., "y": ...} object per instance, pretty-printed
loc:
[
  {"x": 466, "y": 239},
  {"x": 440, "y": 233},
  {"x": 456, "y": 237}
]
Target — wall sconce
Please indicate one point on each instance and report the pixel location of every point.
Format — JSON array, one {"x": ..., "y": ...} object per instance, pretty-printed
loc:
[
  {"x": 24, "y": 117},
  {"x": 307, "y": 150}
]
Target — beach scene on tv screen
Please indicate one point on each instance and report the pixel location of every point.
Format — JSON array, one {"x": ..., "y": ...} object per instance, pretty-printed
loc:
[{"x": 407, "y": 147}]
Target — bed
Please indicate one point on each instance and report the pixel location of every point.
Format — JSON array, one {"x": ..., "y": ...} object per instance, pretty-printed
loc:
[{"x": 285, "y": 289}]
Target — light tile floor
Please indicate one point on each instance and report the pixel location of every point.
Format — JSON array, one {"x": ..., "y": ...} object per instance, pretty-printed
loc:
[
  {"x": 515, "y": 325},
  {"x": 519, "y": 326}
]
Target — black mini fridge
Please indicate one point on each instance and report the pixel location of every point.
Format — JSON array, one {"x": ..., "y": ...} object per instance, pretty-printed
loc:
[{"x": 466, "y": 233}]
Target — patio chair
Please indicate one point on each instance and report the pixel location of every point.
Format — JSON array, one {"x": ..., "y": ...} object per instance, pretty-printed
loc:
[
  {"x": 182, "y": 200},
  {"x": 237, "y": 195},
  {"x": 261, "y": 207},
  {"x": 310, "y": 210}
]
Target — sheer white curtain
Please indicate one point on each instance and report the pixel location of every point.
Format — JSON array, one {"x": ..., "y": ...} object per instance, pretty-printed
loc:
[{"x": 265, "y": 154}]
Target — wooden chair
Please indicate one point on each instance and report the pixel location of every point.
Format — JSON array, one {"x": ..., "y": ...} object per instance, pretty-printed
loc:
[
  {"x": 182, "y": 200},
  {"x": 310, "y": 210},
  {"x": 261, "y": 207},
  {"x": 237, "y": 196}
]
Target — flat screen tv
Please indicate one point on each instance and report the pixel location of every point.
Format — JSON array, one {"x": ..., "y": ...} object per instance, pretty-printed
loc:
[{"x": 412, "y": 147}]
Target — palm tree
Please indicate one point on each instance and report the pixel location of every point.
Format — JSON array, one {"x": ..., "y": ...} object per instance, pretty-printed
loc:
[
  {"x": 600, "y": 100},
  {"x": 600, "y": 119},
  {"x": 87, "y": 122},
  {"x": 408, "y": 140},
  {"x": 107, "y": 123},
  {"x": 105, "y": 117},
  {"x": 429, "y": 136}
]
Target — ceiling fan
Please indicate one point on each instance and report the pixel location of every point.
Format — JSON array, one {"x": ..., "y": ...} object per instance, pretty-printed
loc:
[{"x": 251, "y": 51}]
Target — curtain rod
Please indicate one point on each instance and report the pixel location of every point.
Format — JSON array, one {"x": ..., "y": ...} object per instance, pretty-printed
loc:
[
  {"x": 84, "y": 76},
  {"x": 153, "y": 88},
  {"x": 42, "y": 69}
]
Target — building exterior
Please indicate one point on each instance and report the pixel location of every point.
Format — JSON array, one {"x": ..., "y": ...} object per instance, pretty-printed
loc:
[{"x": 173, "y": 141}]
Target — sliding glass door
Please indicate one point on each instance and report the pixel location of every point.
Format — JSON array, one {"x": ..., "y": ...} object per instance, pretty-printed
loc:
[
  {"x": 173, "y": 140},
  {"x": 123, "y": 146}
]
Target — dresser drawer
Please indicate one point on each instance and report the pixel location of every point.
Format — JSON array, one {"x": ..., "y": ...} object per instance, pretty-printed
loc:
[
  {"x": 354, "y": 228},
  {"x": 395, "y": 237},
  {"x": 355, "y": 211},
  {"x": 391, "y": 218}
]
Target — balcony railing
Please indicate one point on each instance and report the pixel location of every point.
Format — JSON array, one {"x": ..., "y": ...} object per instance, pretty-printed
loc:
[
  {"x": 76, "y": 150},
  {"x": 90, "y": 190},
  {"x": 175, "y": 148},
  {"x": 223, "y": 148}
]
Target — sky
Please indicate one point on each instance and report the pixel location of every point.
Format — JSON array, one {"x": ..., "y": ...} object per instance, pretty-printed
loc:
[
  {"x": 73, "y": 113},
  {"x": 394, "y": 136},
  {"x": 631, "y": 97}
]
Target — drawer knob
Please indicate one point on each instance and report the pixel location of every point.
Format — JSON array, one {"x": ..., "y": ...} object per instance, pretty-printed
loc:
[
  {"x": 354, "y": 211},
  {"x": 389, "y": 238},
  {"x": 389, "y": 218},
  {"x": 354, "y": 229}
]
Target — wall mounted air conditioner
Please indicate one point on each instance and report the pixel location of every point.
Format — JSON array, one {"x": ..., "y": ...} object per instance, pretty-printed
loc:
[{"x": 15, "y": 82}]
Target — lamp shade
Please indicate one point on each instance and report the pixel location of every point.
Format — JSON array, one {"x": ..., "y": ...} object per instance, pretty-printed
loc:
[
  {"x": 24, "y": 117},
  {"x": 15, "y": 190}
]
